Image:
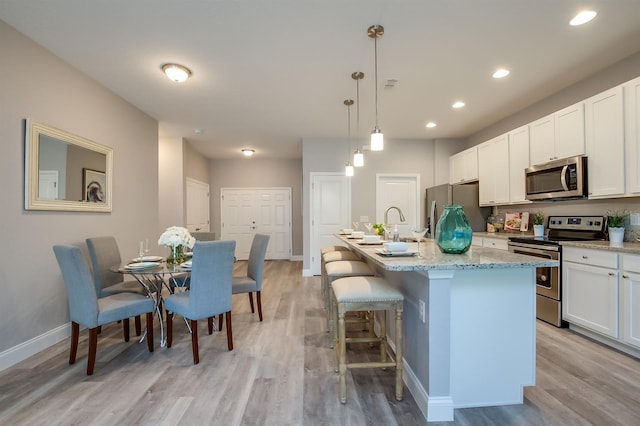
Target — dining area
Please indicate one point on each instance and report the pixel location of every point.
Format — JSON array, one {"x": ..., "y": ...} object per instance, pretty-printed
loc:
[{"x": 195, "y": 282}]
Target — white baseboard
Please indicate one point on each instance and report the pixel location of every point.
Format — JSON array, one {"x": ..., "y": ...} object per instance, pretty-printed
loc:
[
  {"x": 434, "y": 409},
  {"x": 31, "y": 347},
  {"x": 297, "y": 258},
  {"x": 307, "y": 273}
]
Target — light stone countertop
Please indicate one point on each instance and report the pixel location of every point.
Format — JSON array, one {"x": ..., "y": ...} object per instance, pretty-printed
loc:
[
  {"x": 631, "y": 248},
  {"x": 503, "y": 235},
  {"x": 433, "y": 259}
]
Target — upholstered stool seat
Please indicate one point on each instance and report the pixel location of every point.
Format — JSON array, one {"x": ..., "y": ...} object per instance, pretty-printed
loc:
[
  {"x": 342, "y": 269},
  {"x": 332, "y": 256},
  {"x": 327, "y": 249},
  {"x": 374, "y": 294}
]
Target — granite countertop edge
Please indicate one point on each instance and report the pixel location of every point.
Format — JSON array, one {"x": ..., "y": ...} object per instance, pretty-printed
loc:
[{"x": 626, "y": 247}]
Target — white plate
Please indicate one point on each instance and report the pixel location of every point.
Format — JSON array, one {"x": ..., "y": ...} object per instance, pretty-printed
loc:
[
  {"x": 384, "y": 252},
  {"x": 186, "y": 264},
  {"x": 371, "y": 243},
  {"x": 149, "y": 259},
  {"x": 142, "y": 265}
]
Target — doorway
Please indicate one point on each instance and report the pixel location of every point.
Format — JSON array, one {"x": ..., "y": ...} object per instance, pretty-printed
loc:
[
  {"x": 245, "y": 212},
  {"x": 197, "y": 206}
]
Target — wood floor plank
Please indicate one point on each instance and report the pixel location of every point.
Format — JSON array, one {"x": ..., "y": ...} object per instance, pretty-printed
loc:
[{"x": 282, "y": 372}]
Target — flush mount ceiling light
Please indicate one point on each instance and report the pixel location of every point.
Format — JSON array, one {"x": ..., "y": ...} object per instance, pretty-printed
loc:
[
  {"x": 501, "y": 73},
  {"x": 377, "y": 138},
  {"x": 582, "y": 18},
  {"x": 348, "y": 168},
  {"x": 358, "y": 156},
  {"x": 431, "y": 125},
  {"x": 457, "y": 105},
  {"x": 248, "y": 152},
  {"x": 176, "y": 72}
]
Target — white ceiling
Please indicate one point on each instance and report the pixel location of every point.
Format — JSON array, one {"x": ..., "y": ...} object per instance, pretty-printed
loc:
[{"x": 268, "y": 73}]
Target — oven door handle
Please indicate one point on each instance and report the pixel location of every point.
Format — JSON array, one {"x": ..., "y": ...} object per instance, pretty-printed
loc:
[
  {"x": 563, "y": 177},
  {"x": 553, "y": 255}
]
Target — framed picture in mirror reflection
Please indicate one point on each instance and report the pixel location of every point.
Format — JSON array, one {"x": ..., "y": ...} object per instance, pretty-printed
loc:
[{"x": 94, "y": 185}]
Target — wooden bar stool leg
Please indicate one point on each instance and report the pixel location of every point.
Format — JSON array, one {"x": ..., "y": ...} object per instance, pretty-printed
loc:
[
  {"x": 399, "y": 343},
  {"x": 342, "y": 367},
  {"x": 383, "y": 336}
]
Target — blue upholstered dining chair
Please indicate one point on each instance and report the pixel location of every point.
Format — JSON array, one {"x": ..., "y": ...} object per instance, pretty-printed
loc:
[
  {"x": 209, "y": 293},
  {"x": 252, "y": 282},
  {"x": 104, "y": 254},
  {"x": 86, "y": 309}
]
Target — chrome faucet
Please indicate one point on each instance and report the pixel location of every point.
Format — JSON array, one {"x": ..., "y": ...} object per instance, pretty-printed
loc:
[{"x": 386, "y": 214}]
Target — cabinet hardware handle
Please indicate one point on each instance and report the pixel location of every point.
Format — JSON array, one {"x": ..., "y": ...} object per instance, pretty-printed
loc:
[
  {"x": 625, "y": 276},
  {"x": 611, "y": 274},
  {"x": 585, "y": 257}
]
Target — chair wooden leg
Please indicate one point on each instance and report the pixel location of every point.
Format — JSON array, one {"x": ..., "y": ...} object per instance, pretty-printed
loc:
[
  {"x": 342, "y": 357},
  {"x": 100, "y": 329},
  {"x": 259, "y": 305},
  {"x": 169, "y": 328},
  {"x": 93, "y": 346},
  {"x": 138, "y": 325},
  {"x": 149, "y": 331},
  {"x": 194, "y": 341},
  {"x": 210, "y": 324},
  {"x": 229, "y": 332},
  {"x": 220, "y": 321},
  {"x": 251, "y": 301},
  {"x": 75, "y": 334},
  {"x": 125, "y": 329}
]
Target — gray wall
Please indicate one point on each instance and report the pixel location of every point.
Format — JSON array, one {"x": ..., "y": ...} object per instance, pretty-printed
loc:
[
  {"x": 428, "y": 158},
  {"x": 256, "y": 172},
  {"x": 38, "y": 85}
]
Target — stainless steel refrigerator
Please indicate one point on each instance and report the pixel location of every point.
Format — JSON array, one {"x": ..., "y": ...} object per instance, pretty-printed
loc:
[{"x": 465, "y": 195}]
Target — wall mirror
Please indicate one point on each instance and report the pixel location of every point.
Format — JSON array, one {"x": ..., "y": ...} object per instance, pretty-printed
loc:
[{"x": 66, "y": 172}]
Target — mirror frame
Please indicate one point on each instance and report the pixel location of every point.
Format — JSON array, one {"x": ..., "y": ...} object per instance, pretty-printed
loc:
[{"x": 33, "y": 130}]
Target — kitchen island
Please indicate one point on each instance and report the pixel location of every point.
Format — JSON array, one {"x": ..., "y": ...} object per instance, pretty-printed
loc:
[{"x": 469, "y": 324}]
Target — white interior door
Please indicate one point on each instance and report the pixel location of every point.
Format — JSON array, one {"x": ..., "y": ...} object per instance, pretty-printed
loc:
[
  {"x": 48, "y": 185},
  {"x": 247, "y": 211},
  {"x": 402, "y": 191},
  {"x": 330, "y": 211},
  {"x": 197, "y": 205}
]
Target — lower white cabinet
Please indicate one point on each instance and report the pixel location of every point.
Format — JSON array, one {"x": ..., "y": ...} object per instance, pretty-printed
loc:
[
  {"x": 630, "y": 300},
  {"x": 590, "y": 289},
  {"x": 496, "y": 243}
]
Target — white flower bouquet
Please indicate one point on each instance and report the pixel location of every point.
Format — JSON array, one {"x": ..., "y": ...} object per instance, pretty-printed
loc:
[{"x": 176, "y": 236}]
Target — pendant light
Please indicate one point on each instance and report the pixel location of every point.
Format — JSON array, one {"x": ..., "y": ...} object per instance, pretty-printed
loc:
[
  {"x": 358, "y": 156},
  {"x": 377, "y": 138},
  {"x": 348, "y": 169}
]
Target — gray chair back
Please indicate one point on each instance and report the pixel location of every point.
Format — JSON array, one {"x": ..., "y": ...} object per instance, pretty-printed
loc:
[
  {"x": 203, "y": 236},
  {"x": 81, "y": 292},
  {"x": 211, "y": 278},
  {"x": 104, "y": 254},
  {"x": 257, "y": 254}
]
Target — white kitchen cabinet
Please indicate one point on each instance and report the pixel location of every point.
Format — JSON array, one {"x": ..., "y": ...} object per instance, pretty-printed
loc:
[
  {"x": 632, "y": 135},
  {"x": 590, "y": 289},
  {"x": 558, "y": 135},
  {"x": 493, "y": 171},
  {"x": 605, "y": 146},
  {"x": 518, "y": 162},
  {"x": 463, "y": 166},
  {"x": 630, "y": 300},
  {"x": 496, "y": 243}
]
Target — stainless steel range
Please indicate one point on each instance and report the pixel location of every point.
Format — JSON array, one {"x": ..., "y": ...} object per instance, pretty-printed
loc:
[{"x": 549, "y": 279}]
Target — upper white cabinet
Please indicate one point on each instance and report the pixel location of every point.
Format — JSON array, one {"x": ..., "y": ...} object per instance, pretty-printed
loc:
[
  {"x": 605, "y": 143},
  {"x": 558, "y": 135},
  {"x": 463, "y": 166},
  {"x": 493, "y": 171},
  {"x": 518, "y": 161},
  {"x": 632, "y": 135}
]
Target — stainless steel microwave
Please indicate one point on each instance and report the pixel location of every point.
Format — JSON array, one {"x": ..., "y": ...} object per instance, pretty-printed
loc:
[{"x": 566, "y": 178}]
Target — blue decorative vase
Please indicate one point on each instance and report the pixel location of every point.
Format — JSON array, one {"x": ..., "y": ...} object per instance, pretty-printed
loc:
[{"x": 453, "y": 232}]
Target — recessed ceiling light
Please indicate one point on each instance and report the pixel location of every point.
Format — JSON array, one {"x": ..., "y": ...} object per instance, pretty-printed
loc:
[
  {"x": 501, "y": 73},
  {"x": 431, "y": 125},
  {"x": 248, "y": 152},
  {"x": 176, "y": 72},
  {"x": 458, "y": 104},
  {"x": 583, "y": 17}
]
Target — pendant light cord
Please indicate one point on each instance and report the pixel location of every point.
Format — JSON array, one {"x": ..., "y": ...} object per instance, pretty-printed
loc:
[{"x": 375, "y": 41}]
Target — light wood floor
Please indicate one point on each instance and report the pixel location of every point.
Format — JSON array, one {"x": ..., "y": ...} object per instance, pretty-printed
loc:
[{"x": 281, "y": 372}]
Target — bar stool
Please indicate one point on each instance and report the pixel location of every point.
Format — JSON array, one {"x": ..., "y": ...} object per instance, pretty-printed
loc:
[
  {"x": 332, "y": 256},
  {"x": 375, "y": 294},
  {"x": 337, "y": 270},
  {"x": 327, "y": 249}
]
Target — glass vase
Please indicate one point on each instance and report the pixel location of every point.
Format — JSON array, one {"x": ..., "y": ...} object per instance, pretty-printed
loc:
[
  {"x": 177, "y": 256},
  {"x": 453, "y": 232}
]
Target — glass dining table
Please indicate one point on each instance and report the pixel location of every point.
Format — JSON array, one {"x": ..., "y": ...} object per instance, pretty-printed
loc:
[{"x": 154, "y": 275}]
